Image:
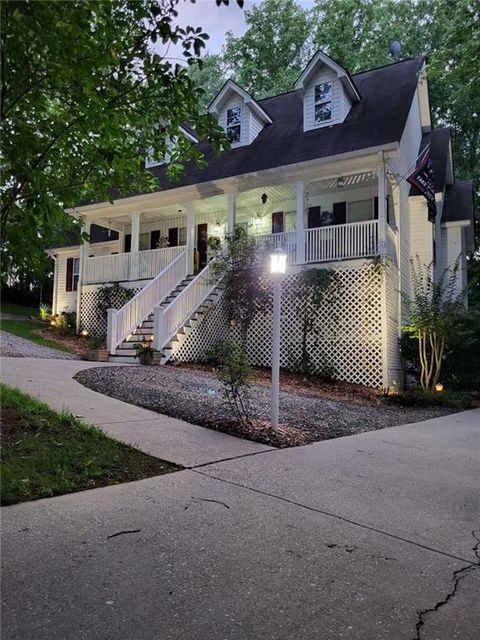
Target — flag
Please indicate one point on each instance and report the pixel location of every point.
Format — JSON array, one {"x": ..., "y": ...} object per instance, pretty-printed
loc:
[{"x": 422, "y": 179}]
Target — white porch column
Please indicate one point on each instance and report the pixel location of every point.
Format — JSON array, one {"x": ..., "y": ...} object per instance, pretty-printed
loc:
[
  {"x": 135, "y": 243},
  {"x": 190, "y": 208},
  {"x": 55, "y": 283},
  {"x": 300, "y": 221},
  {"x": 84, "y": 251},
  {"x": 382, "y": 207},
  {"x": 231, "y": 212}
]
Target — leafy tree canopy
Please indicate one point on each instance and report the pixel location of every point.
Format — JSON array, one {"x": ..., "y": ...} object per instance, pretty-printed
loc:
[{"x": 83, "y": 90}]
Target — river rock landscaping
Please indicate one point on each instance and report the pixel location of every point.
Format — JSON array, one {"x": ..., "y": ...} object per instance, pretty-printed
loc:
[{"x": 307, "y": 414}]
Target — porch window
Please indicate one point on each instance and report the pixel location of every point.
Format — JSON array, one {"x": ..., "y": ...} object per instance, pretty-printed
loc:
[
  {"x": 323, "y": 102},
  {"x": 234, "y": 119},
  {"x": 360, "y": 211},
  {"x": 73, "y": 271}
]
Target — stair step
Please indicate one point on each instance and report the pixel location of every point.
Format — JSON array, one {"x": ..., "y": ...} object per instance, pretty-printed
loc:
[{"x": 123, "y": 359}]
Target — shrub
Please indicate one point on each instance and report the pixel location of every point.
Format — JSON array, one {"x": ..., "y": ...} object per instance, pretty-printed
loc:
[
  {"x": 44, "y": 312},
  {"x": 233, "y": 371},
  {"x": 112, "y": 296}
]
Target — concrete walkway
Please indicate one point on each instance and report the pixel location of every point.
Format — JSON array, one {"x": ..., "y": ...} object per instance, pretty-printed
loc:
[
  {"x": 174, "y": 440},
  {"x": 370, "y": 537}
]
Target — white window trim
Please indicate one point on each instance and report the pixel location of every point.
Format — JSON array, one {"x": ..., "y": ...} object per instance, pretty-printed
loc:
[
  {"x": 316, "y": 104},
  {"x": 239, "y": 125},
  {"x": 75, "y": 272}
]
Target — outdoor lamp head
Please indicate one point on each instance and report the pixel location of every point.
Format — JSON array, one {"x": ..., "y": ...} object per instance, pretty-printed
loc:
[{"x": 278, "y": 262}]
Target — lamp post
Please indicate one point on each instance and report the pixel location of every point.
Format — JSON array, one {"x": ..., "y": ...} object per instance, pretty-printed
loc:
[{"x": 278, "y": 266}]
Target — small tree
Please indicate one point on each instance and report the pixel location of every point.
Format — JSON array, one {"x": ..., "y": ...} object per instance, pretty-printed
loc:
[
  {"x": 240, "y": 269},
  {"x": 433, "y": 310}
]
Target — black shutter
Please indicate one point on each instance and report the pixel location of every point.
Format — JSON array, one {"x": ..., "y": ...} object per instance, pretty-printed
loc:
[
  {"x": 375, "y": 208},
  {"x": 339, "y": 212},
  {"x": 173, "y": 237},
  {"x": 68, "y": 284},
  {"x": 277, "y": 222},
  {"x": 154, "y": 239},
  {"x": 314, "y": 218},
  {"x": 128, "y": 242},
  {"x": 388, "y": 209}
]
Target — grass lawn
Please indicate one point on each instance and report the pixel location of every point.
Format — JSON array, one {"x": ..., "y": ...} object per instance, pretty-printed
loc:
[
  {"x": 19, "y": 310},
  {"x": 27, "y": 329},
  {"x": 45, "y": 453}
]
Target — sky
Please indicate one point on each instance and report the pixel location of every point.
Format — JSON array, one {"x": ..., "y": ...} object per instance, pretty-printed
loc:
[{"x": 216, "y": 21}]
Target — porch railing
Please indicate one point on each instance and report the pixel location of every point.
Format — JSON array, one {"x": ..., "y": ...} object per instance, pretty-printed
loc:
[
  {"x": 170, "y": 320},
  {"x": 141, "y": 265},
  {"x": 121, "y": 322},
  {"x": 287, "y": 241},
  {"x": 342, "y": 241}
]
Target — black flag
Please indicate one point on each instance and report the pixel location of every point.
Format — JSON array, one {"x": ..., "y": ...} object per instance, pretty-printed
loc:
[{"x": 422, "y": 179}]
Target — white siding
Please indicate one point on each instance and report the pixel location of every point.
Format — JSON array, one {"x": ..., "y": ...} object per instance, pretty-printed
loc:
[
  {"x": 256, "y": 125},
  {"x": 421, "y": 230},
  {"x": 341, "y": 103}
]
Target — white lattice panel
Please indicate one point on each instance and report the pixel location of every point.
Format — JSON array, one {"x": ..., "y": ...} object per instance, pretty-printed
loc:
[
  {"x": 89, "y": 318},
  {"x": 350, "y": 339}
]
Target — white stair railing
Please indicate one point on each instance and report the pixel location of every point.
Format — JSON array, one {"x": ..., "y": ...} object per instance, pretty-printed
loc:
[
  {"x": 121, "y": 322},
  {"x": 172, "y": 318}
]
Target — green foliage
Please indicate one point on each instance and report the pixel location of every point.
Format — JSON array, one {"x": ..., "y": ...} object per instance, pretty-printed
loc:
[
  {"x": 208, "y": 74},
  {"x": 233, "y": 371},
  {"x": 28, "y": 330},
  {"x": 144, "y": 352},
  {"x": 97, "y": 342},
  {"x": 65, "y": 323},
  {"x": 44, "y": 312},
  {"x": 267, "y": 58},
  {"x": 313, "y": 289},
  {"x": 45, "y": 453},
  {"x": 240, "y": 269},
  {"x": 434, "y": 311},
  {"x": 73, "y": 118},
  {"x": 112, "y": 296}
]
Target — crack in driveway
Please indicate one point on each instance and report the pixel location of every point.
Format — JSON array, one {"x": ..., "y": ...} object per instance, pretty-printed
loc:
[{"x": 458, "y": 575}]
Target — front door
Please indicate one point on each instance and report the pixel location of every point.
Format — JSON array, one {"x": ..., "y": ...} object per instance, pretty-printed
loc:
[
  {"x": 202, "y": 230},
  {"x": 277, "y": 222},
  {"x": 173, "y": 237}
]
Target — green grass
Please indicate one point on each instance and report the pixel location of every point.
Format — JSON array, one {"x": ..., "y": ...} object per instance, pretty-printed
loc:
[
  {"x": 27, "y": 328},
  {"x": 45, "y": 453},
  {"x": 19, "y": 310}
]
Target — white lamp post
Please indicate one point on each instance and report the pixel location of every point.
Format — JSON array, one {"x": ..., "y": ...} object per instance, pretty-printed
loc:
[{"x": 278, "y": 267}]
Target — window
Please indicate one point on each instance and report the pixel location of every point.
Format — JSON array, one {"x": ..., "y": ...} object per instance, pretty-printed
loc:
[
  {"x": 360, "y": 210},
  {"x": 75, "y": 273},
  {"x": 182, "y": 236},
  {"x": 234, "y": 119},
  {"x": 323, "y": 102}
]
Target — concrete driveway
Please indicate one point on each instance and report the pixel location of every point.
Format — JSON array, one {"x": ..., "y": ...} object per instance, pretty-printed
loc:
[{"x": 374, "y": 536}]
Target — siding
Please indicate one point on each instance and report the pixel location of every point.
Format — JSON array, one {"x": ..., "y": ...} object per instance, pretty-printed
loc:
[
  {"x": 256, "y": 125},
  {"x": 421, "y": 230},
  {"x": 340, "y": 101}
]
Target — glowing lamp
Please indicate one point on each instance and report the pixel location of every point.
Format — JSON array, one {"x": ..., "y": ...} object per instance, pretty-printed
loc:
[
  {"x": 439, "y": 386},
  {"x": 52, "y": 323},
  {"x": 84, "y": 333},
  {"x": 278, "y": 262}
]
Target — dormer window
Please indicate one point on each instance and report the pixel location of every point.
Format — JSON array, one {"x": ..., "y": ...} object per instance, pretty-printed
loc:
[
  {"x": 323, "y": 102},
  {"x": 234, "y": 119}
]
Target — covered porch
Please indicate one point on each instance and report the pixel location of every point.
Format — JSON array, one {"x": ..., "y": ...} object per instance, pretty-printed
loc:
[{"x": 336, "y": 218}]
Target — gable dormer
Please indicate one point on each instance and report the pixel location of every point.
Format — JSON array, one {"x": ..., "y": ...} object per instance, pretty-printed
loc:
[
  {"x": 238, "y": 114},
  {"x": 328, "y": 92},
  {"x": 170, "y": 143}
]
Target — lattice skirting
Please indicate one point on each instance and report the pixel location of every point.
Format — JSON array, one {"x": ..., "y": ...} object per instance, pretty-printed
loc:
[
  {"x": 349, "y": 338},
  {"x": 89, "y": 318}
]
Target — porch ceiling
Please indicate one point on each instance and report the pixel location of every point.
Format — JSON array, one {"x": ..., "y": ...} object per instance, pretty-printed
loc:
[{"x": 363, "y": 179}]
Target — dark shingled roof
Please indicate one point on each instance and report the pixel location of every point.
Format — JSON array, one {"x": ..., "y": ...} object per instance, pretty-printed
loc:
[
  {"x": 440, "y": 141},
  {"x": 97, "y": 234},
  {"x": 458, "y": 203},
  {"x": 378, "y": 119}
]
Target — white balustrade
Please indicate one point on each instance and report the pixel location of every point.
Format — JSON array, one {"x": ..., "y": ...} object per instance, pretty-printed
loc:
[
  {"x": 123, "y": 321},
  {"x": 286, "y": 241},
  {"x": 172, "y": 318},
  {"x": 342, "y": 241},
  {"x": 124, "y": 267}
]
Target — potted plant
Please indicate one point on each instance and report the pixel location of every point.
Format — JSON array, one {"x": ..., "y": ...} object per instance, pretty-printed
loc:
[
  {"x": 144, "y": 352},
  {"x": 97, "y": 351}
]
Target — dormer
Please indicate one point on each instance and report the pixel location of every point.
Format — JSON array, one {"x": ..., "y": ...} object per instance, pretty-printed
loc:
[
  {"x": 238, "y": 114},
  {"x": 328, "y": 92},
  {"x": 170, "y": 143}
]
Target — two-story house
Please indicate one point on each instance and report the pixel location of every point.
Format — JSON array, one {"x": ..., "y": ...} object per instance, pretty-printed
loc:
[{"x": 320, "y": 171}]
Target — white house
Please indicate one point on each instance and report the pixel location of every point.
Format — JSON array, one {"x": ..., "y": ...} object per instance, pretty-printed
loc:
[{"x": 320, "y": 171}]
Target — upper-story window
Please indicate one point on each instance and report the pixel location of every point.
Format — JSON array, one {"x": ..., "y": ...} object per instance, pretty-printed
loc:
[
  {"x": 234, "y": 119},
  {"x": 323, "y": 102}
]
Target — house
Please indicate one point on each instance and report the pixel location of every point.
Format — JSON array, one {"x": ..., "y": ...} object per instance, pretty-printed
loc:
[{"x": 320, "y": 171}]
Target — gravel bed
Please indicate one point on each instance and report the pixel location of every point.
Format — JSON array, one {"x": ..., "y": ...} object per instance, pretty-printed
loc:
[
  {"x": 12, "y": 346},
  {"x": 195, "y": 396}
]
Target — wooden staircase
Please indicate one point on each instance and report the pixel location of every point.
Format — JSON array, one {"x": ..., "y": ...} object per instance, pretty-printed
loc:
[{"x": 144, "y": 332}]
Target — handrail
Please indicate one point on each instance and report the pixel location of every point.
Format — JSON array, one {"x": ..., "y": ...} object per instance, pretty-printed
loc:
[
  {"x": 121, "y": 322},
  {"x": 342, "y": 241},
  {"x": 168, "y": 321}
]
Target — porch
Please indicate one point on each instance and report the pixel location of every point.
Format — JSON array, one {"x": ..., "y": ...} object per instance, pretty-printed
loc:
[{"x": 329, "y": 220}]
